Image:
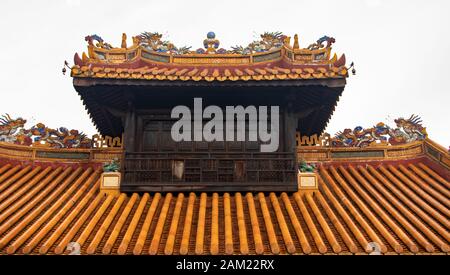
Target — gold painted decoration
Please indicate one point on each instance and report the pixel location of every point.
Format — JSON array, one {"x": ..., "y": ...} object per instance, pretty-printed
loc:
[
  {"x": 314, "y": 140},
  {"x": 99, "y": 141}
]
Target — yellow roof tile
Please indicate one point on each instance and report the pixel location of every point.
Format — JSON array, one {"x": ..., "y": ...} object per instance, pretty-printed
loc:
[{"x": 401, "y": 206}]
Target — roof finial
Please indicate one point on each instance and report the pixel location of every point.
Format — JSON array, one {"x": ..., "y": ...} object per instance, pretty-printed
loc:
[
  {"x": 211, "y": 43},
  {"x": 296, "y": 45}
]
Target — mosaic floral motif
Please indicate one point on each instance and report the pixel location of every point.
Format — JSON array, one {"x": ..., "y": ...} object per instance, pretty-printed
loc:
[
  {"x": 112, "y": 166},
  {"x": 13, "y": 131},
  {"x": 407, "y": 130}
]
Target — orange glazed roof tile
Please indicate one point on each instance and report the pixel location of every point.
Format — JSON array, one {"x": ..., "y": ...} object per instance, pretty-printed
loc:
[
  {"x": 156, "y": 72},
  {"x": 403, "y": 206}
]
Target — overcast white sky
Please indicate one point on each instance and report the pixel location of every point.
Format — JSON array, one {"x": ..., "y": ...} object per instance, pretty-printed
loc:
[{"x": 401, "y": 50}]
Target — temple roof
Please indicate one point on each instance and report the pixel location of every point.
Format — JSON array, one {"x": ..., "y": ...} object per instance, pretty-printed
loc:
[
  {"x": 404, "y": 207},
  {"x": 150, "y": 58},
  {"x": 108, "y": 77},
  {"x": 400, "y": 203}
]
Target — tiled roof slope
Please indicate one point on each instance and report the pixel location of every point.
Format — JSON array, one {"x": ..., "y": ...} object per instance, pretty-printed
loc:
[{"x": 404, "y": 207}]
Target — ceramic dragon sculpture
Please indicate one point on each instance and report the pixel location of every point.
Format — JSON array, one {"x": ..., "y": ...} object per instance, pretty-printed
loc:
[
  {"x": 59, "y": 138},
  {"x": 100, "y": 42},
  {"x": 13, "y": 131},
  {"x": 406, "y": 130}
]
